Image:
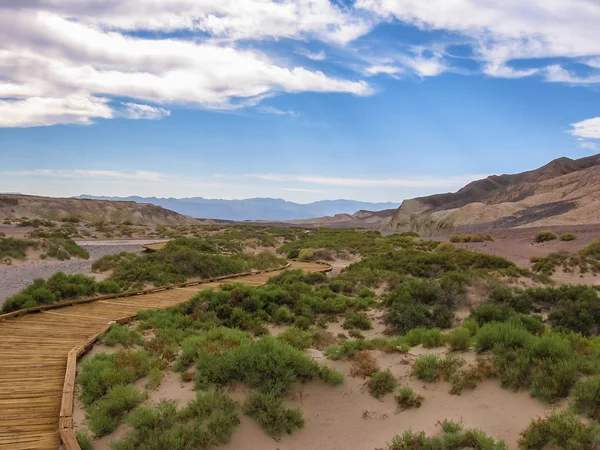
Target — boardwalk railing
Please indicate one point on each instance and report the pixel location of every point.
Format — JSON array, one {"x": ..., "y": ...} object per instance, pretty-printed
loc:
[{"x": 67, "y": 433}]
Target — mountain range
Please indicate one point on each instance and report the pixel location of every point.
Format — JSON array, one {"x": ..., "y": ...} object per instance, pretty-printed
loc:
[
  {"x": 268, "y": 209},
  {"x": 563, "y": 192}
]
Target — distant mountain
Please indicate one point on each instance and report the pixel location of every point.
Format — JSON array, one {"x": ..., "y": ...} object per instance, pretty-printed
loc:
[
  {"x": 563, "y": 192},
  {"x": 270, "y": 209}
]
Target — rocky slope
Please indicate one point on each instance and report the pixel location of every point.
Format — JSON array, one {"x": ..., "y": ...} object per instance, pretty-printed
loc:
[
  {"x": 13, "y": 205},
  {"x": 563, "y": 192}
]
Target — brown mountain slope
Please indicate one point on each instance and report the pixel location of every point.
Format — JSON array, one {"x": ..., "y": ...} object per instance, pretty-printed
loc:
[
  {"x": 12, "y": 205},
  {"x": 563, "y": 192}
]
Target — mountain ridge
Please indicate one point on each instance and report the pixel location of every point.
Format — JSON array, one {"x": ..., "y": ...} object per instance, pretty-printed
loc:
[
  {"x": 259, "y": 208},
  {"x": 561, "y": 192}
]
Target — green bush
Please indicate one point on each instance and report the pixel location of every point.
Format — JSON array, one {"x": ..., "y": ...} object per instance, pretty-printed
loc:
[
  {"x": 107, "y": 413},
  {"x": 568, "y": 236},
  {"x": 382, "y": 383},
  {"x": 407, "y": 398},
  {"x": 587, "y": 397},
  {"x": 562, "y": 430},
  {"x": 427, "y": 368},
  {"x": 268, "y": 410},
  {"x": 297, "y": 338},
  {"x": 454, "y": 437},
  {"x": 105, "y": 371},
  {"x": 14, "y": 248},
  {"x": 267, "y": 364},
  {"x": 545, "y": 236},
  {"x": 459, "y": 339},
  {"x": 120, "y": 334},
  {"x": 349, "y": 348},
  {"x": 477, "y": 237},
  {"x": 432, "y": 338},
  {"x": 358, "y": 320},
  {"x": 205, "y": 422},
  {"x": 84, "y": 440}
]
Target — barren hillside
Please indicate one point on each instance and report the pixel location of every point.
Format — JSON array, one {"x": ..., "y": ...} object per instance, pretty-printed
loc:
[
  {"x": 88, "y": 210},
  {"x": 563, "y": 192}
]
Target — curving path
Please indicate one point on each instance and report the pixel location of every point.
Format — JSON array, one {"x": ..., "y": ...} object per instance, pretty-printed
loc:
[{"x": 34, "y": 349}]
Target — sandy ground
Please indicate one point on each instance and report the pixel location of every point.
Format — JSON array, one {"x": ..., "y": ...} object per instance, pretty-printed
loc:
[
  {"x": 347, "y": 417},
  {"x": 15, "y": 277}
]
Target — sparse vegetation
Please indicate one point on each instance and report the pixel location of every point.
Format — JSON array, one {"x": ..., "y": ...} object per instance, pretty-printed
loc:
[
  {"x": 477, "y": 237},
  {"x": 407, "y": 398},
  {"x": 568, "y": 237},
  {"x": 545, "y": 236},
  {"x": 381, "y": 383},
  {"x": 562, "y": 430},
  {"x": 454, "y": 436},
  {"x": 268, "y": 410},
  {"x": 363, "y": 364},
  {"x": 587, "y": 397},
  {"x": 120, "y": 334},
  {"x": 58, "y": 287}
]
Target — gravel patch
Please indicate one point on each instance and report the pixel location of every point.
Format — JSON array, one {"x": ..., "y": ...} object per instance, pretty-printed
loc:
[{"x": 16, "y": 277}]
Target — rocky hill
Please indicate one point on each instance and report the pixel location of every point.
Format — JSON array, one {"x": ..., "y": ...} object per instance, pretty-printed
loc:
[
  {"x": 33, "y": 207},
  {"x": 563, "y": 192}
]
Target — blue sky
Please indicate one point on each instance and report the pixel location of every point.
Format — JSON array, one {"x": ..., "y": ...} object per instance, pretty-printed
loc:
[{"x": 376, "y": 100}]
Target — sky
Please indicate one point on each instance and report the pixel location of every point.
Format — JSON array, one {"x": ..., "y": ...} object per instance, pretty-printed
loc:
[{"x": 373, "y": 100}]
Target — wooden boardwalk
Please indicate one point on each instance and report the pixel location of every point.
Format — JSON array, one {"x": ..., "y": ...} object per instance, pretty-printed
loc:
[{"x": 34, "y": 350}]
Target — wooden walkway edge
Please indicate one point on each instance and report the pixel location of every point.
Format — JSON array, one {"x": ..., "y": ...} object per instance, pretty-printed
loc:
[{"x": 39, "y": 348}]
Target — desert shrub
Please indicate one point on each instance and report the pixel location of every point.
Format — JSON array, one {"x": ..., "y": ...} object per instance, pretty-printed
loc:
[
  {"x": 579, "y": 313},
  {"x": 432, "y": 338},
  {"x": 349, "y": 347},
  {"x": 410, "y": 234},
  {"x": 562, "y": 430},
  {"x": 107, "y": 413},
  {"x": 427, "y": 368},
  {"x": 268, "y": 410},
  {"x": 459, "y": 339},
  {"x": 420, "y": 303},
  {"x": 363, "y": 364},
  {"x": 84, "y": 440},
  {"x": 470, "y": 377},
  {"x": 358, "y": 320},
  {"x": 545, "y": 236},
  {"x": 267, "y": 364},
  {"x": 568, "y": 236},
  {"x": 407, "y": 398},
  {"x": 14, "y": 248},
  {"x": 103, "y": 372},
  {"x": 587, "y": 397},
  {"x": 356, "y": 334},
  {"x": 477, "y": 237},
  {"x": 472, "y": 325},
  {"x": 216, "y": 342},
  {"x": 331, "y": 376},
  {"x": 453, "y": 437},
  {"x": 108, "y": 287},
  {"x": 306, "y": 254},
  {"x": 297, "y": 337},
  {"x": 381, "y": 383},
  {"x": 58, "y": 287},
  {"x": 120, "y": 334},
  {"x": 109, "y": 262},
  {"x": 205, "y": 422},
  {"x": 547, "y": 364}
]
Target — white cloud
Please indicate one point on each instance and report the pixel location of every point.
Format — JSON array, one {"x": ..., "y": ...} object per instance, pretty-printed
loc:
[
  {"x": 318, "y": 56},
  {"x": 382, "y": 68},
  {"x": 273, "y": 110},
  {"x": 137, "y": 111},
  {"x": 74, "y": 66},
  {"x": 46, "y": 111},
  {"x": 588, "y": 145},
  {"x": 314, "y": 191},
  {"x": 85, "y": 173},
  {"x": 586, "y": 129},
  {"x": 421, "y": 182},
  {"x": 501, "y": 31},
  {"x": 229, "y": 19}
]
